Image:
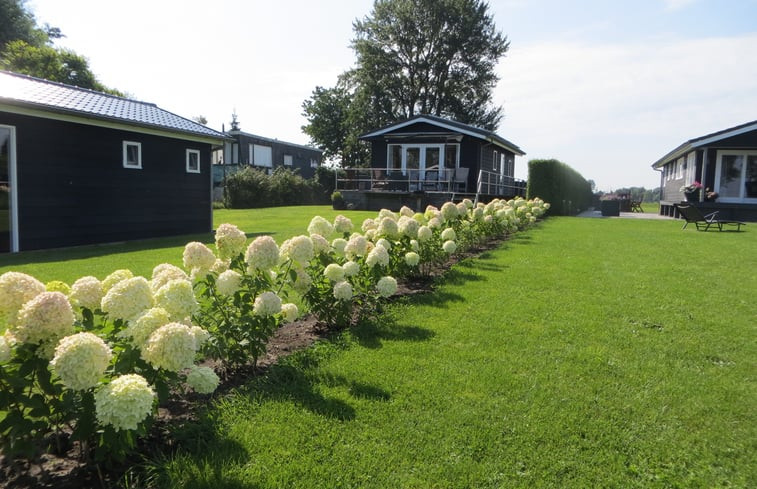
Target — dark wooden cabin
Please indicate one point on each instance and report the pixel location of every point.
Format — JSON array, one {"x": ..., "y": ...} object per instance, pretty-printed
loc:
[
  {"x": 428, "y": 159},
  {"x": 82, "y": 167},
  {"x": 724, "y": 162}
]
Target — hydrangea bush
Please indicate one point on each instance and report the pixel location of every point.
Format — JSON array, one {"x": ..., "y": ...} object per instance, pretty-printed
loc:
[{"x": 100, "y": 356}]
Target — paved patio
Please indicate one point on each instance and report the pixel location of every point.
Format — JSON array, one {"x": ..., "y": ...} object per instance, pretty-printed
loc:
[{"x": 624, "y": 215}]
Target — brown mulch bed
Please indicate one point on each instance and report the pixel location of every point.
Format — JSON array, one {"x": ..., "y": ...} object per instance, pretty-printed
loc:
[{"x": 66, "y": 470}]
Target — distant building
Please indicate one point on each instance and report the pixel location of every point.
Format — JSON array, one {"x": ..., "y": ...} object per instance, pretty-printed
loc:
[{"x": 81, "y": 167}]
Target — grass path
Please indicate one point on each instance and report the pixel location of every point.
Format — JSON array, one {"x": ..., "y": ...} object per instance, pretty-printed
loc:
[{"x": 584, "y": 353}]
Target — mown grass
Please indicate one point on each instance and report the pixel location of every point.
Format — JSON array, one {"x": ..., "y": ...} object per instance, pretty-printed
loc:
[
  {"x": 141, "y": 256},
  {"x": 585, "y": 353}
]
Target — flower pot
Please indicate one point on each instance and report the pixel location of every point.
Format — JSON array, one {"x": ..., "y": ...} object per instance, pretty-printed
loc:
[{"x": 691, "y": 196}]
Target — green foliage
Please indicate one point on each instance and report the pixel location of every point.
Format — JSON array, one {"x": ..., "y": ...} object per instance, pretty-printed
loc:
[
  {"x": 420, "y": 57},
  {"x": 560, "y": 185},
  {"x": 337, "y": 200},
  {"x": 18, "y": 23},
  {"x": 251, "y": 187}
]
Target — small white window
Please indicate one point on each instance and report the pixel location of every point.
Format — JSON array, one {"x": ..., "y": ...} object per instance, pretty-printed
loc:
[
  {"x": 193, "y": 161},
  {"x": 261, "y": 155},
  {"x": 288, "y": 160},
  {"x": 313, "y": 163},
  {"x": 132, "y": 154}
]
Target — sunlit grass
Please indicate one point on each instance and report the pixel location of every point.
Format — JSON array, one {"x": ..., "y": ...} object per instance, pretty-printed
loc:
[{"x": 585, "y": 353}]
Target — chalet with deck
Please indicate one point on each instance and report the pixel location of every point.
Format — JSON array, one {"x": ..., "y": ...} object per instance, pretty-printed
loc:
[
  {"x": 430, "y": 160},
  {"x": 720, "y": 169},
  {"x": 82, "y": 167}
]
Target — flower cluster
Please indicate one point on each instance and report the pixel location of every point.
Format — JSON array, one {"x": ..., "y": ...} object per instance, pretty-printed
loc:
[
  {"x": 267, "y": 304},
  {"x": 230, "y": 241},
  {"x": 47, "y": 317},
  {"x": 202, "y": 380},
  {"x": 15, "y": 290},
  {"x": 177, "y": 298},
  {"x": 125, "y": 402},
  {"x": 127, "y": 298},
  {"x": 87, "y": 292},
  {"x": 80, "y": 360},
  {"x": 171, "y": 347},
  {"x": 262, "y": 254}
]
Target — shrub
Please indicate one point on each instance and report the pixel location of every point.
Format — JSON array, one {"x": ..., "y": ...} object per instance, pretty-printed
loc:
[
  {"x": 562, "y": 186},
  {"x": 251, "y": 187}
]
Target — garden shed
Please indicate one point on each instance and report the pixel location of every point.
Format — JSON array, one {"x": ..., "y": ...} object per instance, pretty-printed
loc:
[
  {"x": 715, "y": 172},
  {"x": 433, "y": 159},
  {"x": 81, "y": 167}
]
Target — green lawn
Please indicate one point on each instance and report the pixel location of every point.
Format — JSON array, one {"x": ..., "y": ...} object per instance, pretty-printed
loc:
[
  {"x": 141, "y": 256},
  {"x": 583, "y": 353}
]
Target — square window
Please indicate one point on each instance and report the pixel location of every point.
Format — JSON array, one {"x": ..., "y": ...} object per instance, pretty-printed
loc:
[
  {"x": 132, "y": 154},
  {"x": 287, "y": 160},
  {"x": 193, "y": 161}
]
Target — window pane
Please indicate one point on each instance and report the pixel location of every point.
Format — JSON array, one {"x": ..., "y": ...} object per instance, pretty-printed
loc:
[
  {"x": 193, "y": 161},
  {"x": 750, "y": 183},
  {"x": 413, "y": 158},
  {"x": 450, "y": 156},
  {"x": 432, "y": 158},
  {"x": 132, "y": 155},
  {"x": 395, "y": 157},
  {"x": 730, "y": 175}
]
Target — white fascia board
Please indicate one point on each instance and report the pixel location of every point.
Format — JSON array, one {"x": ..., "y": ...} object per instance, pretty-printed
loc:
[
  {"x": 409, "y": 122},
  {"x": 725, "y": 135}
]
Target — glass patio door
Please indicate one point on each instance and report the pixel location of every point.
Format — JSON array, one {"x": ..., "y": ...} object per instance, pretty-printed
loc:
[{"x": 7, "y": 167}]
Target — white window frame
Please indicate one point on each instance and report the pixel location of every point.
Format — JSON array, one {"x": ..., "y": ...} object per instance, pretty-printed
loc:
[
  {"x": 742, "y": 180},
  {"x": 125, "y": 161},
  {"x": 313, "y": 163},
  {"x": 691, "y": 168},
  {"x": 288, "y": 160},
  {"x": 189, "y": 153},
  {"x": 253, "y": 149}
]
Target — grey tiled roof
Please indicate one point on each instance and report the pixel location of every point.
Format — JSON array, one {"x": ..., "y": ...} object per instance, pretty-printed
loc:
[{"x": 56, "y": 97}]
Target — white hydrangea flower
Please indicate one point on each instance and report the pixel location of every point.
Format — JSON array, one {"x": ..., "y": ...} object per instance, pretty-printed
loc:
[
  {"x": 290, "y": 312},
  {"x": 319, "y": 225},
  {"x": 424, "y": 233},
  {"x": 303, "y": 281},
  {"x": 406, "y": 211},
  {"x": 127, "y": 299},
  {"x": 386, "y": 286},
  {"x": 171, "y": 347},
  {"x": 387, "y": 213},
  {"x": 408, "y": 227},
  {"x": 351, "y": 268},
  {"x": 462, "y": 210},
  {"x": 334, "y": 272},
  {"x": 178, "y": 298},
  {"x": 419, "y": 218},
  {"x": 342, "y": 224},
  {"x": 5, "y": 350},
  {"x": 468, "y": 203},
  {"x": 434, "y": 223},
  {"x": 58, "y": 286},
  {"x": 368, "y": 224},
  {"x": 202, "y": 380},
  {"x": 201, "y": 335},
  {"x": 449, "y": 234},
  {"x": 449, "y": 247},
  {"x": 230, "y": 241},
  {"x": 87, "y": 292},
  {"x": 478, "y": 214},
  {"x": 339, "y": 244},
  {"x": 343, "y": 291},
  {"x": 140, "y": 329},
  {"x": 220, "y": 266},
  {"x": 164, "y": 273},
  {"x": 320, "y": 244},
  {"x": 356, "y": 246},
  {"x": 414, "y": 245},
  {"x": 383, "y": 242},
  {"x": 412, "y": 258},
  {"x": 377, "y": 256},
  {"x": 16, "y": 289},
  {"x": 228, "y": 282},
  {"x": 298, "y": 249},
  {"x": 431, "y": 212},
  {"x": 47, "y": 317},
  {"x": 388, "y": 227},
  {"x": 124, "y": 403},
  {"x": 114, "y": 278},
  {"x": 449, "y": 211},
  {"x": 267, "y": 304},
  {"x": 262, "y": 254},
  {"x": 197, "y": 255},
  {"x": 80, "y": 360}
]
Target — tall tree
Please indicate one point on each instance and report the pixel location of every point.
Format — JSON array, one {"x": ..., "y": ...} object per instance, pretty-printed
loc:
[
  {"x": 18, "y": 23},
  {"x": 416, "y": 57}
]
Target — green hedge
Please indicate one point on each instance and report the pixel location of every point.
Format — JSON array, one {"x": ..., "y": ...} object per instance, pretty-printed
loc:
[
  {"x": 557, "y": 183},
  {"x": 250, "y": 188}
]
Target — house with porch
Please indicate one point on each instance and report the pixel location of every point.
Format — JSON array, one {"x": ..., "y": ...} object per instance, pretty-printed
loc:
[
  {"x": 430, "y": 160},
  {"x": 82, "y": 167},
  {"x": 723, "y": 167}
]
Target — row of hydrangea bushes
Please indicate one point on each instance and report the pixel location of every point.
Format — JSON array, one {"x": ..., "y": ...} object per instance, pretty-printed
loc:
[{"x": 92, "y": 361}]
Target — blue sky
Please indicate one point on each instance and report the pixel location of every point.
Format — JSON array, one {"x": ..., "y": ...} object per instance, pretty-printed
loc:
[{"x": 606, "y": 86}]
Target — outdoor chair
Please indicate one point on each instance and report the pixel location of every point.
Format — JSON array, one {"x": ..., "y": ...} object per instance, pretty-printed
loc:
[
  {"x": 431, "y": 180},
  {"x": 461, "y": 179},
  {"x": 703, "y": 222},
  {"x": 636, "y": 206},
  {"x": 379, "y": 179}
]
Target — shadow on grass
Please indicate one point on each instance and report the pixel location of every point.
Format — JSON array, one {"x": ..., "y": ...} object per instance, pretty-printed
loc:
[
  {"x": 99, "y": 250},
  {"x": 370, "y": 333}
]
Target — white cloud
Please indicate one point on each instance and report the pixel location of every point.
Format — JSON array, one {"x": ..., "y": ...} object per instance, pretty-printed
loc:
[
  {"x": 610, "y": 111},
  {"x": 672, "y": 5}
]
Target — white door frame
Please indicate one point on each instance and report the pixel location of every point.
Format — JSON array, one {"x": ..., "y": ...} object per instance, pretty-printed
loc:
[{"x": 13, "y": 182}]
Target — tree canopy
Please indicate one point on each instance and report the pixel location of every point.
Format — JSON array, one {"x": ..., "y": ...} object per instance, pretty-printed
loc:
[
  {"x": 412, "y": 57},
  {"x": 27, "y": 48}
]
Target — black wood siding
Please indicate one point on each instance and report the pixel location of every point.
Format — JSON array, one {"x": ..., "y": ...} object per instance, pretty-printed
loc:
[
  {"x": 74, "y": 190},
  {"x": 300, "y": 156}
]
